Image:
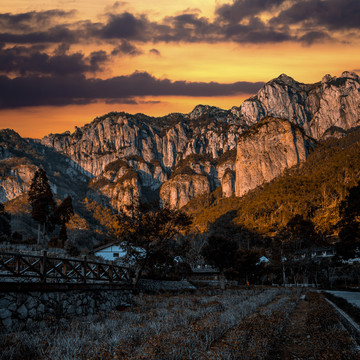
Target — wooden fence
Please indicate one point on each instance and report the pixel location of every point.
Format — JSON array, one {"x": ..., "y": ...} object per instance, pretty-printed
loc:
[{"x": 46, "y": 269}]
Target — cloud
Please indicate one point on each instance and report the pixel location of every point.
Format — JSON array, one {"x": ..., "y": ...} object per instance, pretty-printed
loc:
[
  {"x": 32, "y": 20},
  {"x": 27, "y": 60},
  {"x": 155, "y": 52},
  {"x": 331, "y": 14},
  {"x": 126, "y": 48},
  {"x": 76, "y": 89},
  {"x": 312, "y": 37},
  {"x": 306, "y": 21},
  {"x": 56, "y": 34},
  {"x": 124, "y": 26},
  {"x": 241, "y": 9}
]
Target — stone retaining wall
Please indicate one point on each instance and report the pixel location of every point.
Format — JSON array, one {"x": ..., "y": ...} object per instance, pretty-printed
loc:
[{"x": 20, "y": 308}]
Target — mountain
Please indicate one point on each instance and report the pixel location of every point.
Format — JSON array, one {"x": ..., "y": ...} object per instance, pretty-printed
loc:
[
  {"x": 313, "y": 189},
  {"x": 266, "y": 150},
  {"x": 119, "y": 158},
  {"x": 335, "y": 101}
]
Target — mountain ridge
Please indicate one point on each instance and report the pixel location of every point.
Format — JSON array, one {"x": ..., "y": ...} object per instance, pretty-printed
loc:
[{"x": 122, "y": 158}]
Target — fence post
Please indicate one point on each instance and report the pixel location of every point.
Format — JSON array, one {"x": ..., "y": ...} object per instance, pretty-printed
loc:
[
  {"x": 84, "y": 263},
  {"x": 111, "y": 271},
  {"x": 17, "y": 265},
  {"x": 43, "y": 266}
]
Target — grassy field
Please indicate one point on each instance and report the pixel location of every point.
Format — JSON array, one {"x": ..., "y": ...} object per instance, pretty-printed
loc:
[{"x": 233, "y": 324}]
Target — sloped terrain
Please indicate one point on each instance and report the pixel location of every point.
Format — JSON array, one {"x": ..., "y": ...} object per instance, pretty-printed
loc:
[{"x": 313, "y": 190}]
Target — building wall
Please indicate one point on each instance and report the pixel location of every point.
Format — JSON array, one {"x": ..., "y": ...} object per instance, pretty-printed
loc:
[{"x": 108, "y": 253}]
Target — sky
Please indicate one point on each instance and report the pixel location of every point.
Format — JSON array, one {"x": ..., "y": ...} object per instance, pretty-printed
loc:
[{"x": 64, "y": 62}]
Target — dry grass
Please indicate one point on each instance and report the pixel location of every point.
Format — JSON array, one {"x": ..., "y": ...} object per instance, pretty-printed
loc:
[{"x": 209, "y": 325}]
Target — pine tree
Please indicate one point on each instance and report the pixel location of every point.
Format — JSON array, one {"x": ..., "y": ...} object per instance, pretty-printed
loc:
[
  {"x": 62, "y": 215},
  {"x": 41, "y": 201},
  {"x": 5, "y": 227}
]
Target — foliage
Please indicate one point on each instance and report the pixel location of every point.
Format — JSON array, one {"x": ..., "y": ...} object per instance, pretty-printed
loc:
[
  {"x": 245, "y": 265},
  {"x": 220, "y": 252},
  {"x": 99, "y": 182},
  {"x": 148, "y": 235},
  {"x": 62, "y": 215},
  {"x": 5, "y": 226},
  {"x": 116, "y": 165},
  {"x": 41, "y": 200}
]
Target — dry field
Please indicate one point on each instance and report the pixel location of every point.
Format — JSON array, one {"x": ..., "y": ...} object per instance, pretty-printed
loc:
[{"x": 268, "y": 323}]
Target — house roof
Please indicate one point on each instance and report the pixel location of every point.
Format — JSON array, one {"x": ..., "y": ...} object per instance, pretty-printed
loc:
[{"x": 104, "y": 246}]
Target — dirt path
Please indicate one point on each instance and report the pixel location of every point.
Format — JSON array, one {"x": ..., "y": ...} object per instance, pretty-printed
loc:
[
  {"x": 314, "y": 332},
  {"x": 295, "y": 342}
]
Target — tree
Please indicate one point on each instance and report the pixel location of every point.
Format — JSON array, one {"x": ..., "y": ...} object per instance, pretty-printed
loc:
[
  {"x": 5, "y": 226},
  {"x": 41, "y": 201},
  {"x": 149, "y": 237},
  {"x": 62, "y": 215},
  {"x": 220, "y": 252},
  {"x": 246, "y": 263},
  {"x": 350, "y": 228}
]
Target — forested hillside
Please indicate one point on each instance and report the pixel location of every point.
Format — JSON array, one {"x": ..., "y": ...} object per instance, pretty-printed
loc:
[{"x": 313, "y": 190}]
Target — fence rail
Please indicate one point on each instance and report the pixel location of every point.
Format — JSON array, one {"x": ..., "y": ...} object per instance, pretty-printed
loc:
[{"x": 46, "y": 269}]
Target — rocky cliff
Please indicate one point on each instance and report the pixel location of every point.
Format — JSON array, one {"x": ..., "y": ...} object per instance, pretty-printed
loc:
[
  {"x": 335, "y": 101},
  {"x": 266, "y": 150},
  {"x": 179, "y": 156},
  {"x": 19, "y": 159}
]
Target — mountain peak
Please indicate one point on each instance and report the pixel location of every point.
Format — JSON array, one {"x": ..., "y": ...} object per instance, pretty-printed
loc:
[
  {"x": 349, "y": 75},
  {"x": 283, "y": 78},
  {"x": 213, "y": 111}
]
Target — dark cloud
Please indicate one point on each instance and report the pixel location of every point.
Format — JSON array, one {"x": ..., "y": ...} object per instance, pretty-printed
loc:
[
  {"x": 65, "y": 90},
  {"x": 124, "y": 26},
  {"x": 57, "y": 34},
  {"x": 126, "y": 48},
  {"x": 303, "y": 21},
  {"x": 312, "y": 37},
  {"x": 31, "y": 20},
  {"x": 155, "y": 52},
  {"x": 241, "y": 9},
  {"x": 332, "y": 14},
  {"x": 129, "y": 101},
  {"x": 34, "y": 60}
]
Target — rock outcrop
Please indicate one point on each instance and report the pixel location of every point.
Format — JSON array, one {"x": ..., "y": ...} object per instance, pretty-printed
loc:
[
  {"x": 335, "y": 101},
  {"x": 266, "y": 150},
  {"x": 178, "y": 191},
  {"x": 20, "y": 158}
]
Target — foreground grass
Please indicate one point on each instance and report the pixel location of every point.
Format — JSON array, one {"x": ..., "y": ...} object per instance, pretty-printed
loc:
[{"x": 209, "y": 325}]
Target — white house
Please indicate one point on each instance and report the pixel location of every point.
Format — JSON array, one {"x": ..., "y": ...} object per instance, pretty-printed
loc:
[{"x": 110, "y": 252}]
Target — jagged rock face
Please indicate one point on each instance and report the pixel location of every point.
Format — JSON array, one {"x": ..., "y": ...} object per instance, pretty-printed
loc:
[
  {"x": 120, "y": 194},
  {"x": 266, "y": 150},
  {"x": 228, "y": 183},
  {"x": 16, "y": 182},
  {"x": 119, "y": 136},
  {"x": 20, "y": 158},
  {"x": 332, "y": 102},
  {"x": 178, "y": 191},
  {"x": 151, "y": 147}
]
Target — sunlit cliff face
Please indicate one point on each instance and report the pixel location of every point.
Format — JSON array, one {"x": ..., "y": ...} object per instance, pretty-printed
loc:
[{"x": 64, "y": 62}]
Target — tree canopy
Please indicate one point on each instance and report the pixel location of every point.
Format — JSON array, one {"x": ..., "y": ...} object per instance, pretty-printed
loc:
[
  {"x": 41, "y": 200},
  {"x": 149, "y": 236}
]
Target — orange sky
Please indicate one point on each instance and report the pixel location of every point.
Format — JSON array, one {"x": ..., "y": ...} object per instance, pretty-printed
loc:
[{"x": 206, "y": 57}]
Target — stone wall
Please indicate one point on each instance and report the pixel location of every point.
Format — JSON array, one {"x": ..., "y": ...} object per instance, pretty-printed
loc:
[{"x": 21, "y": 308}]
